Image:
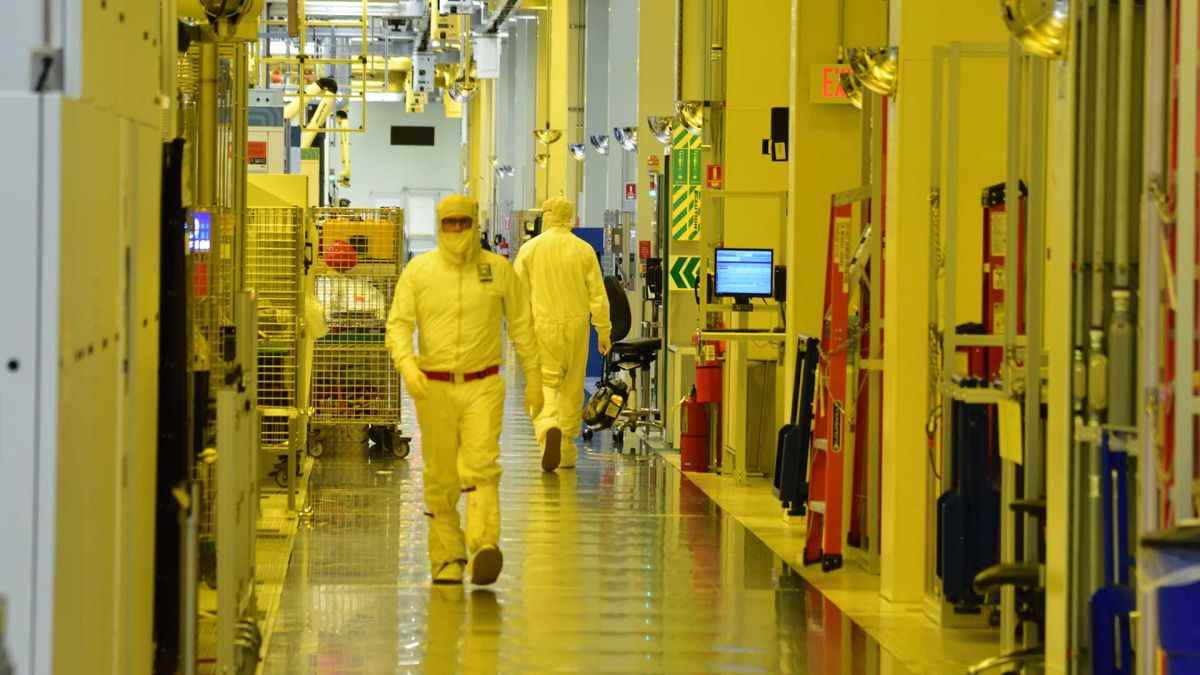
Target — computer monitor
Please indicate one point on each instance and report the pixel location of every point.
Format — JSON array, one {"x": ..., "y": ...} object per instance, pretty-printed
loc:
[
  {"x": 745, "y": 273},
  {"x": 200, "y": 236}
]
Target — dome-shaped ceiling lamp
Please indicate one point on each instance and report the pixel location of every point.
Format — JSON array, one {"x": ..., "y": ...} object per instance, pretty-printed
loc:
[
  {"x": 661, "y": 127},
  {"x": 576, "y": 150},
  {"x": 542, "y": 159},
  {"x": 1046, "y": 35},
  {"x": 853, "y": 89},
  {"x": 547, "y": 136},
  {"x": 504, "y": 170},
  {"x": 877, "y": 69},
  {"x": 600, "y": 143},
  {"x": 691, "y": 113},
  {"x": 626, "y": 138}
]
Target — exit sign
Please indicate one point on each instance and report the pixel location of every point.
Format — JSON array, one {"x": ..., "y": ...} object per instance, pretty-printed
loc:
[{"x": 825, "y": 84}]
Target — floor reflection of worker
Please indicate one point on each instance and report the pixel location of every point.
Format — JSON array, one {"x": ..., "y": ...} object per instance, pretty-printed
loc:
[
  {"x": 565, "y": 287},
  {"x": 455, "y": 297}
]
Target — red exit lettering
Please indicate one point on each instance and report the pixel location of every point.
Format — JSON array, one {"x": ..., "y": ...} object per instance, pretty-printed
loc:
[{"x": 832, "y": 82}]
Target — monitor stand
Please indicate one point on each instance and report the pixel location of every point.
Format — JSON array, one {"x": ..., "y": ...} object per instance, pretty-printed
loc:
[{"x": 741, "y": 303}]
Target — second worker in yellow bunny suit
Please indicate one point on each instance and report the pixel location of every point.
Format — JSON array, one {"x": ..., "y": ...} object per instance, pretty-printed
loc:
[{"x": 566, "y": 290}]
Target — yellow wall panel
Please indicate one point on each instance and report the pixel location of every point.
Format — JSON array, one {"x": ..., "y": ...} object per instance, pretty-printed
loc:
[
  {"x": 276, "y": 189},
  {"x": 141, "y": 405},
  {"x": 121, "y": 57},
  {"x": 108, "y": 393},
  {"x": 86, "y": 627},
  {"x": 825, "y": 149},
  {"x": 918, "y": 25}
]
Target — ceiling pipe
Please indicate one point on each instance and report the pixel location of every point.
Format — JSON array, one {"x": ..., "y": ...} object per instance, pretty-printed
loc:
[{"x": 501, "y": 15}]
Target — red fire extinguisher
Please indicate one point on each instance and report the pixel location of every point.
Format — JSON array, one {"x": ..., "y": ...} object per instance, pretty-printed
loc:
[
  {"x": 708, "y": 369},
  {"x": 693, "y": 434}
]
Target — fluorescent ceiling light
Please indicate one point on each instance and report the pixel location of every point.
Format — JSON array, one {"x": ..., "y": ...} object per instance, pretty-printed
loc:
[
  {"x": 349, "y": 8},
  {"x": 384, "y": 97}
]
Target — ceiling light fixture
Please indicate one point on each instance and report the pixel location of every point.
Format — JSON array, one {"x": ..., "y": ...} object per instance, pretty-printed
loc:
[
  {"x": 662, "y": 127},
  {"x": 626, "y": 137},
  {"x": 547, "y": 136},
  {"x": 1045, "y": 36},
  {"x": 691, "y": 113},
  {"x": 576, "y": 150},
  {"x": 853, "y": 89},
  {"x": 600, "y": 143},
  {"x": 542, "y": 159},
  {"x": 877, "y": 69}
]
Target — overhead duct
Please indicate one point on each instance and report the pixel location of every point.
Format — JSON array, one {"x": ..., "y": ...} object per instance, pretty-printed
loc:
[
  {"x": 1047, "y": 34},
  {"x": 384, "y": 73}
]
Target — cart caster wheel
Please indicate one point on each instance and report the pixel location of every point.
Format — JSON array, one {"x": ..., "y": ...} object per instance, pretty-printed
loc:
[
  {"x": 316, "y": 448},
  {"x": 280, "y": 477},
  {"x": 587, "y": 434},
  {"x": 401, "y": 448},
  {"x": 830, "y": 563},
  {"x": 378, "y": 437}
]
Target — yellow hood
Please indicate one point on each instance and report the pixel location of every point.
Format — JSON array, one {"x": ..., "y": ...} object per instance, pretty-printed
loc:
[
  {"x": 558, "y": 212},
  {"x": 461, "y": 247}
]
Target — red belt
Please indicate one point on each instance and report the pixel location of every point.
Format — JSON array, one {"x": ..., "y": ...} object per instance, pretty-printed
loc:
[{"x": 465, "y": 377}]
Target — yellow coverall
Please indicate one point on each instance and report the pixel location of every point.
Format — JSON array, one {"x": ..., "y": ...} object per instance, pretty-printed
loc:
[
  {"x": 454, "y": 298},
  {"x": 566, "y": 288}
]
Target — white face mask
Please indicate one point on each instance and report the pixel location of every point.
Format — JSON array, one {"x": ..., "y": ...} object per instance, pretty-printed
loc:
[{"x": 458, "y": 245}]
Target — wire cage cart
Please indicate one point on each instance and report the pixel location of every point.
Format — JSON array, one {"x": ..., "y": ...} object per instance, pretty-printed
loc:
[
  {"x": 359, "y": 258},
  {"x": 273, "y": 266},
  {"x": 220, "y": 633}
]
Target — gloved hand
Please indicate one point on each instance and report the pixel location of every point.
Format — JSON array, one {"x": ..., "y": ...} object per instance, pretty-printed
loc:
[
  {"x": 535, "y": 400},
  {"x": 415, "y": 381},
  {"x": 605, "y": 345}
]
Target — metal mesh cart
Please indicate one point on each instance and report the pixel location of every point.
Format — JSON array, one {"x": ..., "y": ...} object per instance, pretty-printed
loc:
[
  {"x": 273, "y": 266},
  {"x": 354, "y": 382}
]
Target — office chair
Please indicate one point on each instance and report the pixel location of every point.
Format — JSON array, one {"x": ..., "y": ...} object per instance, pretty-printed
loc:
[{"x": 631, "y": 356}]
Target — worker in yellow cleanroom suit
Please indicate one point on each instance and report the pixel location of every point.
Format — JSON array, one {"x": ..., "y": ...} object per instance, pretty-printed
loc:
[
  {"x": 455, "y": 297},
  {"x": 565, "y": 288}
]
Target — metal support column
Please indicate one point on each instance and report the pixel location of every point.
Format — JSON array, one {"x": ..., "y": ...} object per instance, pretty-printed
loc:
[
  {"x": 1185, "y": 283},
  {"x": 1012, "y": 192},
  {"x": 875, "y": 138},
  {"x": 1035, "y": 241},
  {"x": 1150, "y": 312}
]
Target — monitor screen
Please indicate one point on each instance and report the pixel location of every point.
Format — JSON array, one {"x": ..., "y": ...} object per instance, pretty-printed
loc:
[
  {"x": 200, "y": 235},
  {"x": 745, "y": 272}
]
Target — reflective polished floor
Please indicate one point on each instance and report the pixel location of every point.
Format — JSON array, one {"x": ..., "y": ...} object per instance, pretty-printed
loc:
[{"x": 618, "y": 566}]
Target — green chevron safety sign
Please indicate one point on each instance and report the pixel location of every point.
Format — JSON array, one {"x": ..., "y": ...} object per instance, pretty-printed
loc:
[
  {"x": 685, "y": 185},
  {"x": 684, "y": 272}
]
